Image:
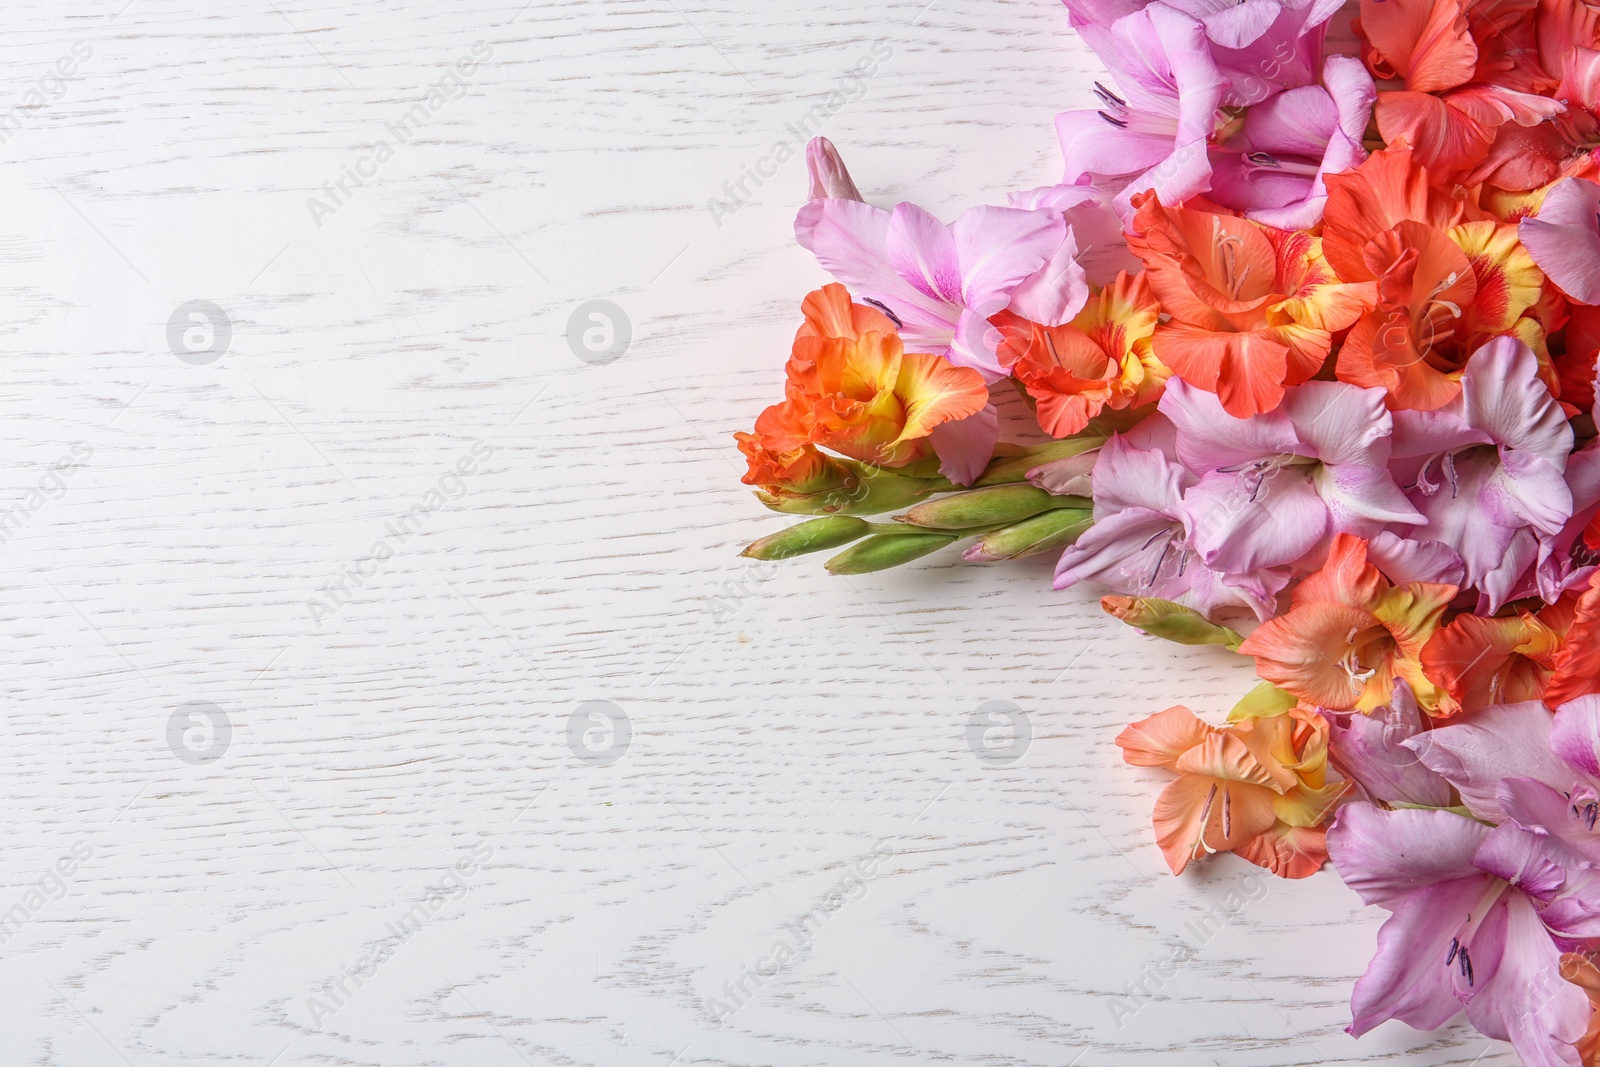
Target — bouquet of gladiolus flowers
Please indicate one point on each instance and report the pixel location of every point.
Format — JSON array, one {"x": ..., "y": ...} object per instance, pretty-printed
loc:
[{"x": 1303, "y": 347}]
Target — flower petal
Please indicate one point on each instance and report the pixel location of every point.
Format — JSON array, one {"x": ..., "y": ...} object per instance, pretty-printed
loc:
[
  {"x": 1407, "y": 978},
  {"x": 1519, "y": 995},
  {"x": 1368, "y": 749},
  {"x": 1195, "y": 815},
  {"x": 1502, "y": 741},
  {"x": 1564, "y": 240},
  {"x": 965, "y": 446},
  {"x": 1243, "y": 524},
  {"x": 1386, "y": 856},
  {"x": 1575, "y": 735},
  {"x": 1159, "y": 740}
]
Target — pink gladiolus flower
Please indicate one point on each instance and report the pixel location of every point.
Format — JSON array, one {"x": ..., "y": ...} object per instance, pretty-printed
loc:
[
  {"x": 1273, "y": 172},
  {"x": 1487, "y": 469},
  {"x": 1275, "y": 488},
  {"x": 1154, "y": 135},
  {"x": 941, "y": 283},
  {"x": 1473, "y": 912},
  {"x": 1141, "y": 541}
]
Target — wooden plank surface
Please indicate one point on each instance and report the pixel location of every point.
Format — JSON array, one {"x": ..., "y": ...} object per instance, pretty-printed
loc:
[{"x": 296, "y": 634}]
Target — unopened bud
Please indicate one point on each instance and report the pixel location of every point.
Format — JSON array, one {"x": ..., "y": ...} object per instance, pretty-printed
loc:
[
  {"x": 882, "y": 551},
  {"x": 829, "y": 179},
  {"x": 1174, "y": 622},
  {"x": 814, "y": 535},
  {"x": 1050, "y": 532},
  {"x": 990, "y": 506}
]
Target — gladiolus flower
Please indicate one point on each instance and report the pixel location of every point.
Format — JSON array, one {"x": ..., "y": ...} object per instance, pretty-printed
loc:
[
  {"x": 1273, "y": 489},
  {"x": 1155, "y": 135},
  {"x": 1488, "y": 465},
  {"x": 852, "y": 389},
  {"x": 1457, "y": 70},
  {"x": 1473, "y": 910},
  {"x": 1477, "y": 661},
  {"x": 1273, "y": 171},
  {"x": 1349, "y": 633},
  {"x": 1141, "y": 543},
  {"x": 1444, "y": 286},
  {"x": 1100, "y": 359},
  {"x": 798, "y": 473},
  {"x": 939, "y": 283},
  {"x": 1253, "y": 309},
  {"x": 1255, "y": 788}
]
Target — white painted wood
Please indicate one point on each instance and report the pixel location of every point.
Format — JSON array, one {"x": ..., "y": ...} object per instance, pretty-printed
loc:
[{"x": 784, "y": 724}]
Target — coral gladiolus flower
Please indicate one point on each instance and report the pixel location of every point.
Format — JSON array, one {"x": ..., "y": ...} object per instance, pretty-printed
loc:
[
  {"x": 1446, "y": 284},
  {"x": 1458, "y": 69},
  {"x": 1100, "y": 359},
  {"x": 1477, "y": 661},
  {"x": 854, "y": 390},
  {"x": 1255, "y": 788},
  {"x": 1577, "y": 663},
  {"x": 1253, "y": 309},
  {"x": 803, "y": 472},
  {"x": 1349, "y": 633}
]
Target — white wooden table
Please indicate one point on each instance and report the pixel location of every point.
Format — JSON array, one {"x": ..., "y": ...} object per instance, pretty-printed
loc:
[{"x": 291, "y": 775}]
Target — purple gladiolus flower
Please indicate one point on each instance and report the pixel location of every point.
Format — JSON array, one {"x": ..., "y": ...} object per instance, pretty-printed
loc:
[
  {"x": 1487, "y": 470},
  {"x": 1507, "y": 888},
  {"x": 1154, "y": 133},
  {"x": 1275, "y": 488},
  {"x": 1141, "y": 540},
  {"x": 1473, "y": 910},
  {"x": 941, "y": 283},
  {"x": 1273, "y": 170}
]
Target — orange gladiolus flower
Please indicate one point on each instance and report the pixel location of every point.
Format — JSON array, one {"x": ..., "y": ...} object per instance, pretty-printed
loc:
[
  {"x": 1477, "y": 661},
  {"x": 803, "y": 472},
  {"x": 1349, "y": 633},
  {"x": 1101, "y": 359},
  {"x": 1449, "y": 278},
  {"x": 853, "y": 389},
  {"x": 1256, "y": 788},
  {"x": 1466, "y": 68},
  {"x": 1577, "y": 663},
  {"x": 1253, "y": 309}
]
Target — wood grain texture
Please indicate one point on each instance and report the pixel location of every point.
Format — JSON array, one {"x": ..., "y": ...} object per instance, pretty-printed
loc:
[{"x": 787, "y": 727}]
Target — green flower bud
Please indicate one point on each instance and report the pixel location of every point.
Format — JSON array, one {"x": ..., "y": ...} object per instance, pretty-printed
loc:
[
  {"x": 882, "y": 551},
  {"x": 1007, "y": 469},
  {"x": 1050, "y": 532},
  {"x": 996, "y": 505},
  {"x": 1163, "y": 618},
  {"x": 814, "y": 535}
]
